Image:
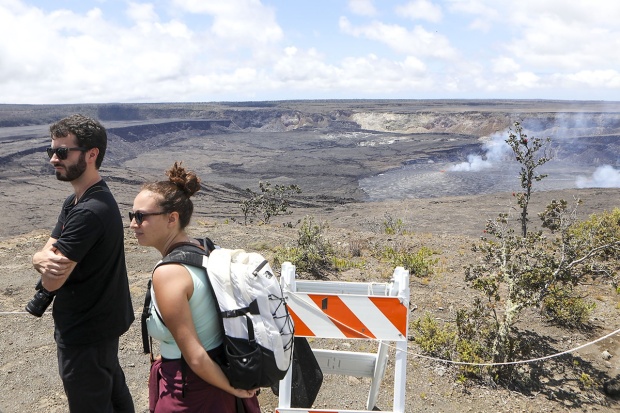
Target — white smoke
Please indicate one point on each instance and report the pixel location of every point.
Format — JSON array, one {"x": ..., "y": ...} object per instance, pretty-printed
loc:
[
  {"x": 496, "y": 149},
  {"x": 605, "y": 176}
]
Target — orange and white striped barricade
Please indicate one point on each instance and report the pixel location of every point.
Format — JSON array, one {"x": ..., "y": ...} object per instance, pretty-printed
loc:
[{"x": 350, "y": 310}]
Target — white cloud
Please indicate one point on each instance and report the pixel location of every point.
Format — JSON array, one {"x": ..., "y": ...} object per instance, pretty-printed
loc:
[
  {"x": 484, "y": 15},
  {"x": 592, "y": 12},
  {"x": 242, "y": 78},
  {"x": 505, "y": 65},
  {"x": 595, "y": 78},
  {"x": 525, "y": 80},
  {"x": 180, "y": 50},
  {"x": 239, "y": 22},
  {"x": 307, "y": 71},
  {"x": 390, "y": 77},
  {"x": 64, "y": 56},
  {"x": 548, "y": 45},
  {"x": 302, "y": 66},
  {"x": 421, "y": 9},
  {"x": 551, "y": 36},
  {"x": 417, "y": 42},
  {"x": 550, "y": 42},
  {"x": 142, "y": 12},
  {"x": 362, "y": 7}
]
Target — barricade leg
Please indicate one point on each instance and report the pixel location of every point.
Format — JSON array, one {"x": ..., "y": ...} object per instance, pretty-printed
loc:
[
  {"x": 400, "y": 376},
  {"x": 285, "y": 390},
  {"x": 380, "y": 364}
]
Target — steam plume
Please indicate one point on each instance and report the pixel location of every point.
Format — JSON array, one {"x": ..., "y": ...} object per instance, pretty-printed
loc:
[
  {"x": 603, "y": 177},
  {"x": 495, "y": 149}
]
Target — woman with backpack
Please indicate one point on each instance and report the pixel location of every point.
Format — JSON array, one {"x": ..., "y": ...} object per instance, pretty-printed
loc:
[{"x": 183, "y": 317}]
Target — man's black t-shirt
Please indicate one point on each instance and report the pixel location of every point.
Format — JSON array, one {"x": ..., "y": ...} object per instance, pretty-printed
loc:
[{"x": 94, "y": 303}]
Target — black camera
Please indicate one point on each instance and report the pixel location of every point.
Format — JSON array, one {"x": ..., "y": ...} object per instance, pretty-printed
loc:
[{"x": 41, "y": 300}]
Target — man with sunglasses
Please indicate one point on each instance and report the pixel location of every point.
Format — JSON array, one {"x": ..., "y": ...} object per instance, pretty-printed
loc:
[{"x": 83, "y": 265}]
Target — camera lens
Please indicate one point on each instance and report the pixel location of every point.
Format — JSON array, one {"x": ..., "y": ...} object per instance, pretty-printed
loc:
[{"x": 41, "y": 300}]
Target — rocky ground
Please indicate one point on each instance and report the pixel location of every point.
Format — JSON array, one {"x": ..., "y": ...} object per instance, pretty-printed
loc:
[
  {"x": 326, "y": 148},
  {"x": 448, "y": 226}
]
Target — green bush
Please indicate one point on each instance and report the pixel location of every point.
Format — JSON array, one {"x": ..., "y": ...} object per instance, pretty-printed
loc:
[
  {"x": 586, "y": 381},
  {"x": 393, "y": 226},
  {"x": 599, "y": 229},
  {"x": 418, "y": 263},
  {"x": 434, "y": 339},
  {"x": 313, "y": 254},
  {"x": 270, "y": 202},
  {"x": 343, "y": 264},
  {"x": 564, "y": 308}
]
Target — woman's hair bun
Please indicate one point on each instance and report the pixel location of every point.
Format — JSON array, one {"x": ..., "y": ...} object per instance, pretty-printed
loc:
[{"x": 186, "y": 181}]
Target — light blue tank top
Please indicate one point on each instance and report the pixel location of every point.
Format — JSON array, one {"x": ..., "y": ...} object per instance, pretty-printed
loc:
[{"x": 204, "y": 315}]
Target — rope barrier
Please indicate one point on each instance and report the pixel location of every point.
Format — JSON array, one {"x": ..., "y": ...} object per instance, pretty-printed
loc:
[
  {"x": 14, "y": 312},
  {"x": 535, "y": 360},
  {"x": 463, "y": 363},
  {"x": 460, "y": 363}
]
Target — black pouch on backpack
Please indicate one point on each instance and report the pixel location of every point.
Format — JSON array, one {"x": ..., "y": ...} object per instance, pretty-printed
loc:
[
  {"x": 307, "y": 375},
  {"x": 242, "y": 364}
]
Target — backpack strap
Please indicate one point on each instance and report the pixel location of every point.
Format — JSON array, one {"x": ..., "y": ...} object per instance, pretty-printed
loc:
[
  {"x": 186, "y": 253},
  {"x": 182, "y": 253},
  {"x": 146, "y": 312},
  {"x": 252, "y": 308},
  {"x": 260, "y": 267},
  {"x": 207, "y": 244}
]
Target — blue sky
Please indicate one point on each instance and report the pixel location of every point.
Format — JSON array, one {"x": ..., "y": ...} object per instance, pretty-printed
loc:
[{"x": 91, "y": 51}]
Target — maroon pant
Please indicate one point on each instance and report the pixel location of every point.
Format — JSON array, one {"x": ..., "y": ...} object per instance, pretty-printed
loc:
[{"x": 166, "y": 392}]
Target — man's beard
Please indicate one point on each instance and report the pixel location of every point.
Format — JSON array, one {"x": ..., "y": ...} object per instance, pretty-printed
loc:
[{"x": 73, "y": 171}]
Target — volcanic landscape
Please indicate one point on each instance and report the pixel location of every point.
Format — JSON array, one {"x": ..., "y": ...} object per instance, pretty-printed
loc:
[{"x": 438, "y": 166}]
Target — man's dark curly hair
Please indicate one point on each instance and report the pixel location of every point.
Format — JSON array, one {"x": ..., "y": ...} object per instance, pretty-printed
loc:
[{"x": 89, "y": 132}]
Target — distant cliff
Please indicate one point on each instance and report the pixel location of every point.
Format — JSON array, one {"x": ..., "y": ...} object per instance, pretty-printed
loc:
[{"x": 480, "y": 118}]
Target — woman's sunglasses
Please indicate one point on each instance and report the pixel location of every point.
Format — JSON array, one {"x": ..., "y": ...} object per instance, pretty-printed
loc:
[
  {"x": 139, "y": 216},
  {"x": 63, "y": 152}
]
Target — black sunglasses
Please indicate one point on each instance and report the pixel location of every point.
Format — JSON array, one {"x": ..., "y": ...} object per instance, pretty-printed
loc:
[
  {"x": 139, "y": 216},
  {"x": 63, "y": 152}
]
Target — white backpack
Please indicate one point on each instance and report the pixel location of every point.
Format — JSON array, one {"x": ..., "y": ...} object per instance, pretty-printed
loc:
[{"x": 258, "y": 329}]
